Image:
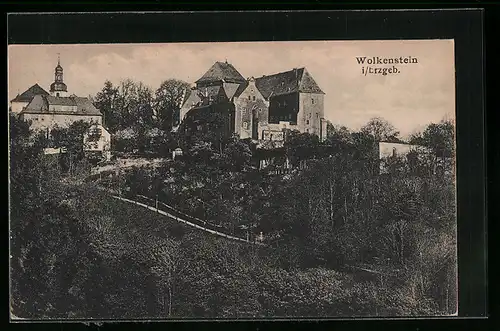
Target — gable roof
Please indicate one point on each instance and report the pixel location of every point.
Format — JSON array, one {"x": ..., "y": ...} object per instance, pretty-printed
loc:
[
  {"x": 40, "y": 105},
  {"x": 30, "y": 93},
  {"x": 295, "y": 80},
  {"x": 221, "y": 71},
  {"x": 193, "y": 99},
  {"x": 231, "y": 89},
  {"x": 241, "y": 88}
]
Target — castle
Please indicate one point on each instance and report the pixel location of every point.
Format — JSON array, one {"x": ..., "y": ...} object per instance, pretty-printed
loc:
[{"x": 258, "y": 108}]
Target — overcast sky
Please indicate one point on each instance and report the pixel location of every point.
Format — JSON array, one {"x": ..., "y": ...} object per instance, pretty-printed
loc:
[{"x": 420, "y": 94}]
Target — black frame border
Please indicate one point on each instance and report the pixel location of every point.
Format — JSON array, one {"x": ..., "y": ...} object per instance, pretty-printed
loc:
[{"x": 464, "y": 26}]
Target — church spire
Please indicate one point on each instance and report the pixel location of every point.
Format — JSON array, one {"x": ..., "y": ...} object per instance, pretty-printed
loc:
[{"x": 58, "y": 88}]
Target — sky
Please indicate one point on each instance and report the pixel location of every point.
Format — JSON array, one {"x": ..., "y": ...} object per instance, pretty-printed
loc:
[{"x": 421, "y": 93}]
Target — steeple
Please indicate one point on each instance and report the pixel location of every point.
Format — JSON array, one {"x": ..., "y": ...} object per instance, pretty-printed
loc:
[{"x": 58, "y": 88}]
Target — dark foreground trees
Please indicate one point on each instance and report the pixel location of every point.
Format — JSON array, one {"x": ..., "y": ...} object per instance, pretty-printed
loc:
[{"x": 343, "y": 240}]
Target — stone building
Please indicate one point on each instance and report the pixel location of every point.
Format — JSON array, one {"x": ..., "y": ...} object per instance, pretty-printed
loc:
[{"x": 263, "y": 106}]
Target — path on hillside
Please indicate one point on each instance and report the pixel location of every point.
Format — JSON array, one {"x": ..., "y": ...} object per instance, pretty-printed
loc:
[
  {"x": 127, "y": 163},
  {"x": 185, "y": 221}
]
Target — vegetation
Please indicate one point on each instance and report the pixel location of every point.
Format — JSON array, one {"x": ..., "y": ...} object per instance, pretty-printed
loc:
[
  {"x": 139, "y": 118},
  {"x": 342, "y": 239}
]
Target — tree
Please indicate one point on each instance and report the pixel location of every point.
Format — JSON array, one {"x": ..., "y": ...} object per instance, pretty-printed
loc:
[
  {"x": 439, "y": 137},
  {"x": 300, "y": 146},
  {"x": 380, "y": 130},
  {"x": 168, "y": 100},
  {"x": 105, "y": 101},
  {"x": 72, "y": 139},
  {"x": 237, "y": 155},
  {"x": 127, "y": 105}
]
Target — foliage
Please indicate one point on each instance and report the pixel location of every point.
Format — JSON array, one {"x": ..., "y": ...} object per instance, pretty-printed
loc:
[
  {"x": 381, "y": 130},
  {"x": 439, "y": 137},
  {"x": 343, "y": 240},
  {"x": 168, "y": 101}
]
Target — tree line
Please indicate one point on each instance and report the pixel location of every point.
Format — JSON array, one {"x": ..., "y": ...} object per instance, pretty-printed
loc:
[
  {"x": 140, "y": 118},
  {"x": 78, "y": 253}
]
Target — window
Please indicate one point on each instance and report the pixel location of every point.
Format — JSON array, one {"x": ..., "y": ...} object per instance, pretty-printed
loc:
[
  {"x": 284, "y": 103},
  {"x": 57, "y": 94},
  {"x": 312, "y": 101},
  {"x": 394, "y": 152},
  {"x": 253, "y": 98},
  {"x": 279, "y": 105},
  {"x": 307, "y": 122},
  {"x": 245, "y": 125},
  {"x": 307, "y": 130},
  {"x": 249, "y": 97}
]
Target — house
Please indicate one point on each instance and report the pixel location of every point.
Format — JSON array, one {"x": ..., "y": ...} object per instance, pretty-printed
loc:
[
  {"x": 411, "y": 154},
  {"x": 389, "y": 149},
  {"x": 22, "y": 100},
  {"x": 46, "y": 110},
  {"x": 98, "y": 139},
  {"x": 260, "y": 108}
]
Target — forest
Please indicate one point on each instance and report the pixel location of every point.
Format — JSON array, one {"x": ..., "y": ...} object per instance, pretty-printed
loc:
[{"x": 341, "y": 239}]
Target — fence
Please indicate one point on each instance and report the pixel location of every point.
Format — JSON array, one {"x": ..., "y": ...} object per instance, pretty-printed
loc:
[{"x": 153, "y": 204}]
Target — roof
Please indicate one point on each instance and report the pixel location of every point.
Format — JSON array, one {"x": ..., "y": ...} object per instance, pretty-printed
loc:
[
  {"x": 40, "y": 104},
  {"x": 221, "y": 71},
  {"x": 241, "y": 88},
  {"x": 30, "y": 93},
  {"x": 192, "y": 100},
  {"x": 295, "y": 80},
  {"x": 231, "y": 89},
  {"x": 210, "y": 91}
]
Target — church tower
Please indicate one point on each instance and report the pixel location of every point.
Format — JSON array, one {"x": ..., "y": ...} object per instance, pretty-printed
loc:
[{"x": 58, "y": 88}]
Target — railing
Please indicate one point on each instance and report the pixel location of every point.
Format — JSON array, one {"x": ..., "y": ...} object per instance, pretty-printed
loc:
[{"x": 183, "y": 218}]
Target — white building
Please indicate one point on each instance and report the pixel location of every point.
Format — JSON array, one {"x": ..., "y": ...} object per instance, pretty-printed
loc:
[
  {"x": 98, "y": 139},
  {"x": 22, "y": 100},
  {"x": 388, "y": 150},
  {"x": 46, "y": 110}
]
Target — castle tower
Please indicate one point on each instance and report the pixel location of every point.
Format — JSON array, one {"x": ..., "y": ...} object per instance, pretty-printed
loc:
[{"x": 58, "y": 88}]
